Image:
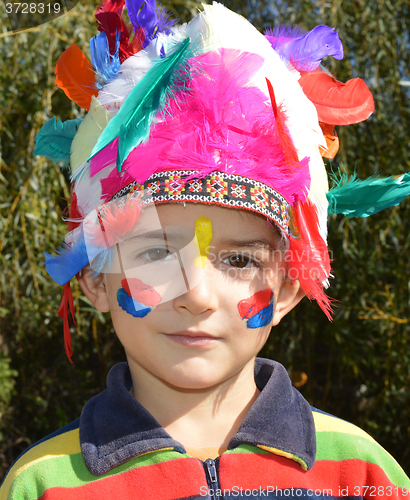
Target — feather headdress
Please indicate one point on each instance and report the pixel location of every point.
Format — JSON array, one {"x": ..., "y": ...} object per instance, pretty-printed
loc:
[{"x": 208, "y": 112}]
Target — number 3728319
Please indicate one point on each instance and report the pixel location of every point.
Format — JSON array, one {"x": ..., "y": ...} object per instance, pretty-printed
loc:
[{"x": 32, "y": 8}]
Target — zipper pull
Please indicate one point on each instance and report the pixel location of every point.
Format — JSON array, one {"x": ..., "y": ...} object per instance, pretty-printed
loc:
[
  {"x": 210, "y": 464},
  {"x": 213, "y": 478}
]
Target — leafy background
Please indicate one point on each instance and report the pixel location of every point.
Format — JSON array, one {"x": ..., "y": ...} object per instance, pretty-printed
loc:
[{"x": 357, "y": 367}]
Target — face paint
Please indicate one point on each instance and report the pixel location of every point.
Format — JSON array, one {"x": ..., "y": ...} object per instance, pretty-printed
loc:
[
  {"x": 141, "y": 292},
  {"x": 257, "y": 309},
  {"x": 203, "y": 233},
  {"x": 135, "y": 296}
]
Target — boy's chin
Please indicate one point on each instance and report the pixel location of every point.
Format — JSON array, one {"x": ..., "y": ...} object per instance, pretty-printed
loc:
[
  {"x": 200, "y": 376},
  {"x": 194, "y": 383}
]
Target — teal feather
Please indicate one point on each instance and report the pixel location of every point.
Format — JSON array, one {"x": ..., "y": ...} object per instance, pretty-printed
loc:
[
  {"x": 353, "y": 197},
  {"x": 132, "y": 123},
  {"x": 55, "y": 137}
]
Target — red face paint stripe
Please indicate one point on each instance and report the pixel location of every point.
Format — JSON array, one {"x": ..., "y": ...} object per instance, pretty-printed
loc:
[
  {"x": 258, "y": 301},
  {"x": 142, "y": 293},
  {"x": 162, "y": 481},
  {"x": 252, "y": 471}
]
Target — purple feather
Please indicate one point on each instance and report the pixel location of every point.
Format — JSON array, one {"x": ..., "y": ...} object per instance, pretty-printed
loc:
[
  {"x": 305, "y": 51},
  {"x": 165, "y": 23},
  {"x": 281, "y": 35},
  {"x": 151, "y": 18}
]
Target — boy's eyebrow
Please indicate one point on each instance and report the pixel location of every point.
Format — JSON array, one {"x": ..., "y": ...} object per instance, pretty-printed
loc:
[
  {"x": 258, "y": 242},
  {"x": 165, "y": 233},
  {"x": 181, "y": 232}
]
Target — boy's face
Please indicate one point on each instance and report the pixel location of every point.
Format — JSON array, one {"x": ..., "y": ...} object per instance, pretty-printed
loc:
[{"x": 194, "y": 314}]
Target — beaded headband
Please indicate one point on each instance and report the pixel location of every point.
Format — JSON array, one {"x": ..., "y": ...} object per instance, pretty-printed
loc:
[{"x": 218, "y": 188}]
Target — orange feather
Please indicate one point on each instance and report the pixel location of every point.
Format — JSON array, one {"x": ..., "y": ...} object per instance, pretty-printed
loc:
[
  {"x": 332, "y": 141},
  {"x": 75, "y": 75}
]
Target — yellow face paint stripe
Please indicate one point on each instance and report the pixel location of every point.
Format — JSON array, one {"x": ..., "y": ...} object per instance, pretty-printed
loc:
[{"x": 203, "y": 234}]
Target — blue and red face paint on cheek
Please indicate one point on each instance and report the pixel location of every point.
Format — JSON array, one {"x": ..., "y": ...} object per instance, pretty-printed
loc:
[
  {"x": 137, "y": 298},
  {"x": 257, "y": 309}
]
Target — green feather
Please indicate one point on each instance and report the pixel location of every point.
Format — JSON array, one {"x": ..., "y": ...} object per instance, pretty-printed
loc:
[
  {"x": 55, "y": 137},
  {"x": 353, "y": 197},
  {"x": 132, "y": 123}
]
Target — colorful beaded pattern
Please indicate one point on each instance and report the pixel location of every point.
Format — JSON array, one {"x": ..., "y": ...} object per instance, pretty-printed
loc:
[{"x": 217, "y": 188}]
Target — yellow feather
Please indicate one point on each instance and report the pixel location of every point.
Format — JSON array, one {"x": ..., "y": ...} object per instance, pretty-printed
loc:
[{"x": 88, "y": 133}]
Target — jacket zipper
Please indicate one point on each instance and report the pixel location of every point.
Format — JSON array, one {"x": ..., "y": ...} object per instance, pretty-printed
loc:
[{"x": 211, "y": 470}]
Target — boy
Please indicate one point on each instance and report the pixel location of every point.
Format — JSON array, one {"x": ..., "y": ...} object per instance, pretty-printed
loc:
[{"x": 198, "y": 220}]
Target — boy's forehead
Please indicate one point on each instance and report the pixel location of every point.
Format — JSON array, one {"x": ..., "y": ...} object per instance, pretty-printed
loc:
[{"x": 226, "y": 222}]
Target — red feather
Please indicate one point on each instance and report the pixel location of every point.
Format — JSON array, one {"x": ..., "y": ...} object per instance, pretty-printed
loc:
[
  {"x": 308, "y": 258},
  {"x": 75, "y": 75},
  {"x": 336, "y": 102},
  {"x": 76, "y": 214},
  {"x": 66, "y": 303},
  {"x": 110, "y": 22},
  {"x": 289, "y": 149},
  {"x": 116, "y": 6}
]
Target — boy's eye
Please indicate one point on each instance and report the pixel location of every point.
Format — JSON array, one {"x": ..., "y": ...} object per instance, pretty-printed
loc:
[
  {"x": 156, "y": 254},
  {"x": 240, "y": 261}
]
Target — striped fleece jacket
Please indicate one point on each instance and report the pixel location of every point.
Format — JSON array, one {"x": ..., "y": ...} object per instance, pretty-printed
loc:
[{"x": 284, "y": 448}]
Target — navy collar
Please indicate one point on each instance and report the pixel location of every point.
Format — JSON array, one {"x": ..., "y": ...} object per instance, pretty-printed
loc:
[{"x": 115, "y": 428}]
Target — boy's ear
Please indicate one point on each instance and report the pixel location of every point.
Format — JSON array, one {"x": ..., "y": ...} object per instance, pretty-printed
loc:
[
  {"x": 290, "y": 294},
  {"x": 94, "y": 288}
]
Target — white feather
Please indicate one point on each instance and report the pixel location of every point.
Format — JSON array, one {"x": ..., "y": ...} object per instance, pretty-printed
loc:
[
  {"x": 89, "y": 190},
  {"x": 113, "y": 95},
  {"x": 81, "y": 171},
  {"x": 72, "y": 236}
]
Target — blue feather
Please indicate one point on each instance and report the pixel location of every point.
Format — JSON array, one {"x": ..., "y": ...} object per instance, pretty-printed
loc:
[
  {"x": 70, "y": 260},
  {"x": 353, "y": 197},
  {"x": 55, "y": 137},
  {"x": 105, "y": 64}
]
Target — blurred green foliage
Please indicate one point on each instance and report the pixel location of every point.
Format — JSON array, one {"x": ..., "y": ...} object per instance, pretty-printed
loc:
[{"x": 357, "y": 367}]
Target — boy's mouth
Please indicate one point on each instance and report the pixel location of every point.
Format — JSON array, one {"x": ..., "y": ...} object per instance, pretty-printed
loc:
[{"x": 193, "y": 338}]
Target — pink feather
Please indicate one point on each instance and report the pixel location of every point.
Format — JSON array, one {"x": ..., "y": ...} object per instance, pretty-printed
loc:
[
  {"x": 113, "y": 183},
  {"x": 114, "y": 223},
  {"x": 221, "y": 123},
  {"x": 106, "y": 157}
]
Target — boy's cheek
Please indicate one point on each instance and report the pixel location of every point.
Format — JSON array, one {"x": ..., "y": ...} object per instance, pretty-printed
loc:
[
  {"x": 257, "y": 309},
  {"x": 137, "y": 298}
]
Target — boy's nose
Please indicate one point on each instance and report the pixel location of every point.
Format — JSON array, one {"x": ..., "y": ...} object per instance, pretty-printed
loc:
[{"x": 201, "y": 298}]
